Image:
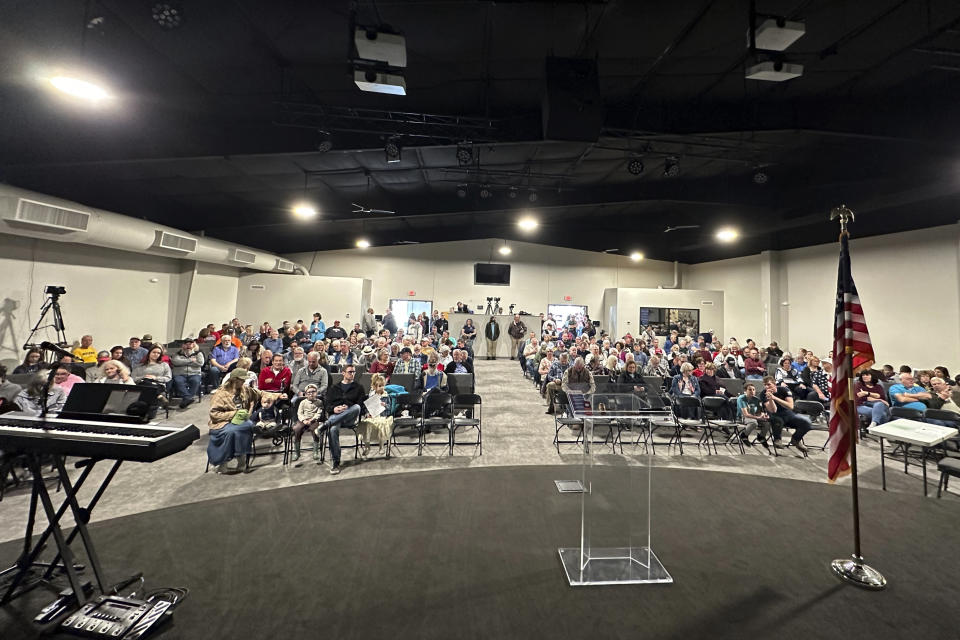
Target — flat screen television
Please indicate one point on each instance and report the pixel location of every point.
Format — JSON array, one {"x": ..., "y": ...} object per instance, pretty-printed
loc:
[{"x": 489, "y": 273}]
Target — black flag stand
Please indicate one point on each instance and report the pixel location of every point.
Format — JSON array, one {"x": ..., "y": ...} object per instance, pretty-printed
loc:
[{"x": 853, "y": 569}]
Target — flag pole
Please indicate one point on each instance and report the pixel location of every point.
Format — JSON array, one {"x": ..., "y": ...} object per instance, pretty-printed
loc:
[{"x": 853, "y": 569}]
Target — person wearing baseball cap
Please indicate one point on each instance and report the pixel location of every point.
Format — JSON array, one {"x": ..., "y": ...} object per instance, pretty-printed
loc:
[
  {"x": 231, "y": 426},
  {"x": 103, "y": 356}
]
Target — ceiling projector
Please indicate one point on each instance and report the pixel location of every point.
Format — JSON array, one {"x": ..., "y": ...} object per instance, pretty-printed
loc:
[
  {"x": 380, "y": 82},
  {"x": 774, "y": 71},
  {"x": 378, "y": 46}
]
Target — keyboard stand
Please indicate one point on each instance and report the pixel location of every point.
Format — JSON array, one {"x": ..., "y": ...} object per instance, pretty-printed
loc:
[{"x": 31, "y": 551}]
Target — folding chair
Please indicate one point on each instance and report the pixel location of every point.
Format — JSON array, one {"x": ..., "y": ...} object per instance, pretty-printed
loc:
[
  {"x": 813, "y": 410},
  {"x": 563, "y": 419},
  {"x": 713, "y": 406},
  {"x": 405, "y": 426},
  {"x": 437, "y": 412},
  {"x": 470, "y": 404},
  {"x": 353, "y": 426},
  {"x": 691, "y": 402}
]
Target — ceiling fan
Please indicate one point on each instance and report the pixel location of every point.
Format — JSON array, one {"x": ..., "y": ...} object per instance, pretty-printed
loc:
[
  {"x": 362, "y": 209},
  {"x": 681, "y": 226}
]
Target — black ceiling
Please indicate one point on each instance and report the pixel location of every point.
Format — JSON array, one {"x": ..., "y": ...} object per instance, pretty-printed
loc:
[{"x": 216, "y": 122}]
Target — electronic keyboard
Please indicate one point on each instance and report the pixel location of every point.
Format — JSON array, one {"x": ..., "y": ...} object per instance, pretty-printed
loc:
[{"x": 93, "y": 439}]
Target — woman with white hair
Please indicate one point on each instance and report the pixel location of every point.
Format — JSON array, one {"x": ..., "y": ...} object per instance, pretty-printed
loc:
[
  {"x": 445, "y": 357},
  {"x": 114, "y": 372},
  {"x": 685, "y": 385}
]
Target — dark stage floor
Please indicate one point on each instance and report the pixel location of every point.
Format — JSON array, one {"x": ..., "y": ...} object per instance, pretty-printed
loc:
[{"x": 473, "y": 554}]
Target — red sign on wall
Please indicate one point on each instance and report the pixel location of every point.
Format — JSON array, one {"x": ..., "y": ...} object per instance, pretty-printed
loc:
[
  {"x": 567, "y": 298},
  {"x": 411, "y": 293}
]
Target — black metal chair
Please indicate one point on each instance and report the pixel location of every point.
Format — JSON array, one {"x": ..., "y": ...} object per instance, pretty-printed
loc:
[
  {"x": 405, "y": 426},
  {"x": 353, "y": 426},
  {"x": 563, "y": 419},
  {"x": 685, "y": 405},
  {"x": 714, "y": 407},
  {"x": 437, "y": 412},
  {"x": 907, "y": 412},
  {"x": 471, "y": 405},
  {"x": 813, "y": 410}
]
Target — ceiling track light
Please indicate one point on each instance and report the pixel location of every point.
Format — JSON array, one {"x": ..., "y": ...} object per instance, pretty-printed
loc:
[
  {"x": 464, "y": 154},
  {"x": 727, "y": 234},
  {"x": 505, "y": 250},
  {"x": 671, "y": 167},
  {"x": 392, "y": 150},
  {"x": 635, "y": 166}
]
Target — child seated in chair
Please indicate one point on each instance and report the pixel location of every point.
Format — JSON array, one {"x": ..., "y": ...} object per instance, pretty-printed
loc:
[{"x": 376, "y": 428}]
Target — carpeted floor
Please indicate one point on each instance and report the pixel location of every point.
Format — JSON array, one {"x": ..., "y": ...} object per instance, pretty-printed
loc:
[
  {"x": 516, "y": 432},
  {"x": 472, "y": 553}
]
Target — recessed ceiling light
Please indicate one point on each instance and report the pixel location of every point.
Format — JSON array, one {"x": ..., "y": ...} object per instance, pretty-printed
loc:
[
  {"x": 760, "y": 177},
  {"x": 636, "y": 256},
  {"x": 635, "y": 166},
  {"x": 528, "y": 223},
  {"x": 80, "y": 88},
  {"x": 304, "y": 211},
  {"x": 464, "y": 154},
  {"x": 727, "y": 234},
  {"x": 671, "y": 167},
  {"x": 363, "y": 243},
  {"x": 485, "y": 192},
  {"x": 505, "y": 250}
]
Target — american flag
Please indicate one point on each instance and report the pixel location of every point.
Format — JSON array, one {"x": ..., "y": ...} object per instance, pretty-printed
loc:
[{"x": 850, "y": 335}]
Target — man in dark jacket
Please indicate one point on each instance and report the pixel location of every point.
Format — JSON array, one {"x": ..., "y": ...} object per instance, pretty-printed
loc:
[
  {"x": 344, "y": 404},
  {"x": 516, "y": 330},
  {"x": 492, "y": 333},
  {"x": 389, "y": 322}
]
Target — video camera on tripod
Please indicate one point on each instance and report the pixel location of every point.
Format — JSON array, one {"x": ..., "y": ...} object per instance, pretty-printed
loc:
[{"x": 52, "y": 302}]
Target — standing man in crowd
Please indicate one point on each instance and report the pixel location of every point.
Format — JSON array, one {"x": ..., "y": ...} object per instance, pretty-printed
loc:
[
  {"x": 516, "y": 331},
  {"x": 492, "y": 333}
]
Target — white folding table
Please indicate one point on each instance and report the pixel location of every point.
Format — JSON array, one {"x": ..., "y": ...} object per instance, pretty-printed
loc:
[{"x": 910, "y": 432}]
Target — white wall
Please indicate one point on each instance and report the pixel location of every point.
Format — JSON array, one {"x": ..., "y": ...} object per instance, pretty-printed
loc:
[
  {"x": 276, "y": 297},
  {"x": 212, "y": 297},
  {"x": 443, "y": 272},
  {"x": 909, "y": 285},
  {"x": 629, "y": 301},
  {"x": 109, "y": 293},
  {"x": 739, "y": 279}
]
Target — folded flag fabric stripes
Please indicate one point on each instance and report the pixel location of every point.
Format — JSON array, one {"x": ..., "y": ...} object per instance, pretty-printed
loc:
[{"x": 850, "y": 336}]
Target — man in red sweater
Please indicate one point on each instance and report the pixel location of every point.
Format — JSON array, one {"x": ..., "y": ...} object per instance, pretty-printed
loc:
[
  {"x": 276, "y": 379},
  {"x": 753, "y": 366}
]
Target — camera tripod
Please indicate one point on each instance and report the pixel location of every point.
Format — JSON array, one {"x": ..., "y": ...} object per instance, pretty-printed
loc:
[
  {"x": 493, "y": 307},
  {"x": 51, "y": 303}
]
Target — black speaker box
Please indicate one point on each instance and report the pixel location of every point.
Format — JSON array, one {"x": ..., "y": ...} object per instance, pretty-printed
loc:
[{"x": 572, "y": 109}]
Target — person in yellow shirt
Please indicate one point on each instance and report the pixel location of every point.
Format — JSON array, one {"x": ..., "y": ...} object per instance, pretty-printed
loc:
[{"x": 85, "y": 352}]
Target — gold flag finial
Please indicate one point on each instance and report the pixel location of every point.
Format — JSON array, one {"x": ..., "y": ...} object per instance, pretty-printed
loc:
[{"x": 844, "y": 214}]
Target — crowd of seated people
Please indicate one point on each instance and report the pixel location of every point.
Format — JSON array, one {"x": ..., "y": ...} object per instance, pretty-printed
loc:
[
  {"x": 288, "y": 360},
  {"x": 695, "y": 366},
  {"x": 255, "y": 371}
]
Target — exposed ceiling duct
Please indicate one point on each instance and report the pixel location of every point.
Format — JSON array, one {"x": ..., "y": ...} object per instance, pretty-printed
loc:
[{"x": 34, "y": 215}]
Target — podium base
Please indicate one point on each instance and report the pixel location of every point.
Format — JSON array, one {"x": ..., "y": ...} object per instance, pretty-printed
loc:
[
  {"x": 853, "y": 570},
  {"x": 624, "y": 565}
]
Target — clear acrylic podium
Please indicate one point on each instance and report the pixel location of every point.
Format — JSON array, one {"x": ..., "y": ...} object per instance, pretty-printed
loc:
[{"x": 616, "y": 514}]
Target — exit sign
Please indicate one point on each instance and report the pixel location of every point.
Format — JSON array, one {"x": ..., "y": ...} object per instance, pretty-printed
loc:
[
  {"x": 411, "y": 293},
  {"x": 567, "y": 298}
]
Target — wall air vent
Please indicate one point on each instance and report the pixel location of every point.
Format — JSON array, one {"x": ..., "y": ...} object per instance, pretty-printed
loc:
[
  {"x": 285, "y": 266},
  {"x": 258, "y": 287},
  {"x": 706, "y": 303},
  {"x": 174, "y": 242},
  {"x": 243, "y": 257},
  {"x": 49, "y": 217}
]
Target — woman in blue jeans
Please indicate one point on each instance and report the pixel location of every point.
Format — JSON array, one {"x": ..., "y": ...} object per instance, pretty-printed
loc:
[
  {"x": 871, "y": 398},
  {"x": 231, "y": 426}
]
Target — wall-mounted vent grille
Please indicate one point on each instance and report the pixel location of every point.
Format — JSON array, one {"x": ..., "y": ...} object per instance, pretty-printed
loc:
[
  {"x": 174, "y": 242},
  {"x": 50, "y": 217},
  {"x": 706, "y": 303},
  {"x": 258, "y": 287},
  {"x": 243, "y": 257},
  {"x": 285, "y": 265}
]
